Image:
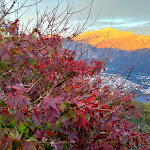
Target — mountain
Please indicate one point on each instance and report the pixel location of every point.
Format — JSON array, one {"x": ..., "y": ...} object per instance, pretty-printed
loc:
[
  {"x": 115, "y": 58},
  {"x": 131, "y": 65},
  {"x": 112, "y": 38}
]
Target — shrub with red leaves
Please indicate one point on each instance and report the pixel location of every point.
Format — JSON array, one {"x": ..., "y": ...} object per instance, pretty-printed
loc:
[{"x": 48, "y": 101}]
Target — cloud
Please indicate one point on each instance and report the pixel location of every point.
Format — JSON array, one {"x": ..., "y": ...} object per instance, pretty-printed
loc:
[
  {"x": 121, "y": 23},
  {"x": 133, "y": 24},
  {"x": 116, "y": 20},
  {"x": 125, "y": 22}
]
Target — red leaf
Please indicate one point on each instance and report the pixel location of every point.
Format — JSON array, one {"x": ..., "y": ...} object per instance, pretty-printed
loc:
[
  {"x": 18, "y": 100},
  {"x": 72, "y": 137},
  {"x": 53, "y": 102},
  {"x": 113, "y": 108},
  {"x": 108, "y": 127},
  {"x": 37, "y": 117},
  {"x": 42, "y": 64},
  {"x": 137, "y": 142},
  {"x": 50, "y": 114},
  {"x": 51, "y": 108},
  {"x": 49, "y": 133},
  {"x": 43, "y": 51},
  {"x": 104, "y": 107},
  {"x": 90, "y": 99},
  {"x": 20, "y": 114},
  {"x": 5, "y": 113},
  {"x": 82, "y": 122},
  {"x": 4, "y": 55},
  {"x": 127, "y": 123},
  {"x": 136, "y": 115},
  {"x": 130, "y": 146}
]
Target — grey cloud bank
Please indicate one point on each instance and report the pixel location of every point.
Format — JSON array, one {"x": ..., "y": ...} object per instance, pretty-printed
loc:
[{"x": 131, "y": 15}]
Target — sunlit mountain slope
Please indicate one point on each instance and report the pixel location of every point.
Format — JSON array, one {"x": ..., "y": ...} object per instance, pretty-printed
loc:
[{"x": 112, "y": 38}]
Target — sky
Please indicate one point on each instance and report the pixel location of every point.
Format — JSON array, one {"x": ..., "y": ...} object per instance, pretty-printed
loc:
[
  {"x": 124, "y": 15},
  {"x": 131, "y": 15}
]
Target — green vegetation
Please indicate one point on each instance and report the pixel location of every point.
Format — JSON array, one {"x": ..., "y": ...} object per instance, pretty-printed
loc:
[{"x": 143, "y": 121}]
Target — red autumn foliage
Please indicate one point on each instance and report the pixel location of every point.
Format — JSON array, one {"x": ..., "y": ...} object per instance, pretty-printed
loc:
[{"x": 48, "y": 100}]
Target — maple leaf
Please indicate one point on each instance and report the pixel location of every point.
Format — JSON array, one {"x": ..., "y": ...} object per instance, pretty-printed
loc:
[
  {"x": 18, "y": 100},
  {"x": 49, "y": 133},
  {"x": 72, "y": 137},
  {"x": 37, "y": 117},
  {"x": 19, "y": 114},
  {"x": 5, "y": 112},
  {"x": 136, "y": 115},
  {"x": 68, "y": 124},
  {"x": 127, "y": 123},
  {"x": 50, "y": 114},
  {"x": 4, "y": 55},
  {"x": 82, "y": 122},
  {"x": 51, "y": 108}
]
